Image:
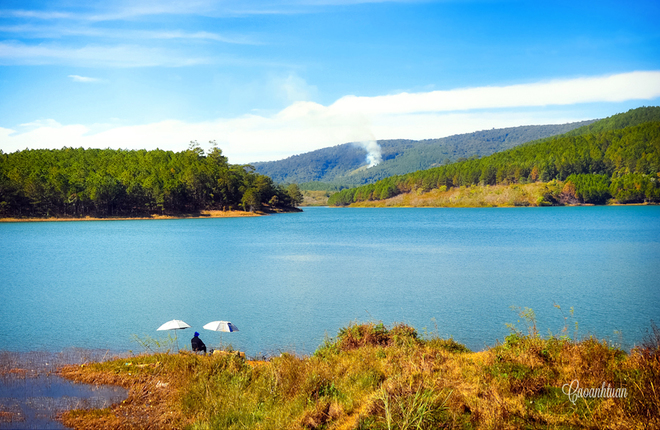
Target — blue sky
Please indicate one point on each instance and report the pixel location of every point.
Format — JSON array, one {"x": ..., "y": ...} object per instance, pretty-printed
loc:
[{"x": 268, "y": 79}]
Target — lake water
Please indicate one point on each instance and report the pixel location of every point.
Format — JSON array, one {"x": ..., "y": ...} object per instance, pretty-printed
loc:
[{"x": 287, "y": 280}]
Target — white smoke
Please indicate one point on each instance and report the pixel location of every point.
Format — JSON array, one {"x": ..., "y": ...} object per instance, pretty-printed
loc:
[{"x": 374, "y": 155}]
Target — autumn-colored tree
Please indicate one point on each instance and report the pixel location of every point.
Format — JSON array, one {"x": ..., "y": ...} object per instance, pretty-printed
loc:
[
  {"x": 534, "y": 175},
  {"x": 569, "y": 194}
]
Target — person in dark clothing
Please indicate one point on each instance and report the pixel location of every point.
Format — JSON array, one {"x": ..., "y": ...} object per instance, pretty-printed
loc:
[{"x": 197, "y": 344}]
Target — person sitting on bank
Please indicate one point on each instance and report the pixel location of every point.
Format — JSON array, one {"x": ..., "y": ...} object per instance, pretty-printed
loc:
[{"x": 197, "y": 344}]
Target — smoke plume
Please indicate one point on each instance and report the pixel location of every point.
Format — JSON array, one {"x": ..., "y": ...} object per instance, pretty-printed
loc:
[{"x": 374, "y": 155}]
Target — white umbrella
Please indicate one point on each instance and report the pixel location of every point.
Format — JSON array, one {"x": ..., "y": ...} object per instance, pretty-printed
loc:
[
  {"x": 221, "y": 326},
  {"x": 225, "y": 326},
  {"x": 174, "y": 325}
]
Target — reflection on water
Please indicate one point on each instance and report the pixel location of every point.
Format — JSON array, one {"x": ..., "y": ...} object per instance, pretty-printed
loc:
[{"x": 32, "y": 394}]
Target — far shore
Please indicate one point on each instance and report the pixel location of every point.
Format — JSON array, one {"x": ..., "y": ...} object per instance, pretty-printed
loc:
[
  {"x": 201, "y": 214},
  {"x": 487, "y": 196},
  {"x": 368, "y": 206}
]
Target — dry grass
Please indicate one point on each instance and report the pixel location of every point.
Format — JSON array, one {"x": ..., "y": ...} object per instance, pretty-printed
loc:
[
  {"x": 536, "y": 194},
  {"x": 316, "y": 198},
  {"x": 373, "y": 377},
  {"x": 228, "y": 214}
]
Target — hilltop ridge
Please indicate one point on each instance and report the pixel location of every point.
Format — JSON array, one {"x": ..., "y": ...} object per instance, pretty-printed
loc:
[{"x": 346, "y": 164}]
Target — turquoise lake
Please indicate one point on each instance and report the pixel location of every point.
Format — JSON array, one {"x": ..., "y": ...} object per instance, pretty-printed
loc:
[{"x": 288, "y": 280}]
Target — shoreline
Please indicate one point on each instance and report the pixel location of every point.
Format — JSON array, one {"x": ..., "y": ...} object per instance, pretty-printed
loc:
[
  {"x": 201, "y": 215},
  {"x": 361, "y": 377},
  {"x": 538, "y": 194},
  {"x": 347, "y": 383},
  {"x": 374, "y": 206}
]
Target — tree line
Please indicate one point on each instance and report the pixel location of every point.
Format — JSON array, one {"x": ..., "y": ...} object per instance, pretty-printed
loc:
[
  {"x": 622, "y": 164},
  {"x": 77, "y": 182}
]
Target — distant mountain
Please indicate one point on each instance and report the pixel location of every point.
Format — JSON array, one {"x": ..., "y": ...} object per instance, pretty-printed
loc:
[
  {"x": 615, "y": 158},
  {"x": 346, "y": 165}
]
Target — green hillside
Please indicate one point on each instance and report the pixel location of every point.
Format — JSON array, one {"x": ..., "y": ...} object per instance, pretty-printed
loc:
[
  {"x": 618, "y": 157},
  {"x": 619, "y": 121},
  {"x": 345, "y": 165}
]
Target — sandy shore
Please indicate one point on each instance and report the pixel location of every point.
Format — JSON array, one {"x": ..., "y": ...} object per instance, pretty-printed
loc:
[{"x": 201, "y": 214}]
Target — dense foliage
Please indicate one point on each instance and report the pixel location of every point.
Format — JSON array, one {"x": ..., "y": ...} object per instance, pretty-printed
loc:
[
  {"x": 106, "y": 182},
  {"x": 345, "y": 165},
  {"x": 622, "y": 164}
]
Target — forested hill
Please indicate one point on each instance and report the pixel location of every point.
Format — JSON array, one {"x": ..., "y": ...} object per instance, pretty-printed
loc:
[
  {"x": 346, "y": 164},
  {"x": 619, "y": 121},
  {"x": 76, "y": 182},
  {"x": 618, "y": 157}
]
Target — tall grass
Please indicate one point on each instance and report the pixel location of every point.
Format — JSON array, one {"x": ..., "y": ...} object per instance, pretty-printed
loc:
[{"x": 374, "y": 377}]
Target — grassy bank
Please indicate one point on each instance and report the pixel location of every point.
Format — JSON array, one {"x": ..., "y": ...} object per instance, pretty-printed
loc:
[
  {"x": 479, "y": 196},
  {"x": 316, "y": 198},
  {"x": 536, "y": 194},
  {"x": 372, "y": 377}
]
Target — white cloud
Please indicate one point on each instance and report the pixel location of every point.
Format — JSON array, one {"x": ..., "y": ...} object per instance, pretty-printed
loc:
[
  {"x": 200, "y": 35},
  {"x": 129, "y": 10},
  {"x": 85, "y": 79},
  {"x": 293, "y": 88},
  {"x": 256, "y": 138},
  {"x": 613, "y": 88},
  {"x": 304, "y": 126},
  {"x": 116, "y": 10},
  {"x": 45, "y": 15},
  {"x": 59, "y": 31},
  {"x": 351, "y": 2},
  {"x": 94, "y": 56},
  {"x": 42, "y": 123}
]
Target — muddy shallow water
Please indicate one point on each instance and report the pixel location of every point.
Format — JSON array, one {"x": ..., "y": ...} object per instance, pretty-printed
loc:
[{"x": 32, "y": 394}]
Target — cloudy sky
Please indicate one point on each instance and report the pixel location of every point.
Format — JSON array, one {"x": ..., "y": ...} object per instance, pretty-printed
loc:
[{"x": 266, "y": 79}]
